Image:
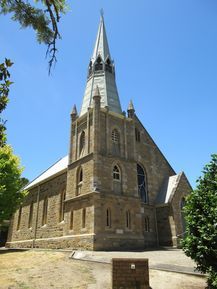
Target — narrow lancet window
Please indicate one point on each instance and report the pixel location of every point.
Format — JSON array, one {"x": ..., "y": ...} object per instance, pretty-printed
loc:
[
  {"x": 98, "y": 64},
  {"x": 19, "y": 218},
  {"x": 62, "y": 205},
  {"x": 108, "y": 218},
  {"x": 79, "y": 181},
  {"x": 83, "y": 218},
  {"x": 128, "y": 219},
  {"x": 30, "y": 215},
  {"x": 147, "y": 224},
  {"x": 116, "y": 179},
  {"x": 44, "y": 215},
  {"x": 82, "y": 144},
  {"x": 71, "y": 220},
  {"x": 142, "y": 185},
  {"x": 137, "y": 135},
  {"x": 108, "y": 66}
]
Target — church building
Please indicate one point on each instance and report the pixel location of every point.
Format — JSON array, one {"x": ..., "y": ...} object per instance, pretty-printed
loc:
[{"x": 115, "y": 190}]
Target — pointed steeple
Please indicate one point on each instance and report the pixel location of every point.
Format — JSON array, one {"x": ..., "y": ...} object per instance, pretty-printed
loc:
[
  {"x": 101, "y": 73},
  {"x": 101, "y": 46}
]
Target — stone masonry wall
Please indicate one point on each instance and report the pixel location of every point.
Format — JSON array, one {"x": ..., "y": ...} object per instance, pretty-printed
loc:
[{"x": 53, "y": 228}]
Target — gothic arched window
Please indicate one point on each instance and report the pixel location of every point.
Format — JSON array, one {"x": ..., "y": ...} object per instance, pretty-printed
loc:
[
  {"x": 128, "y": 219},
  {"x": 115, "y": 142},
  {"x": 62, "y": 205},
  {"x": 108, "y": 218},
  {"x": 108, "y": 66},
  {"x": 71, "y": 220},
  {"x": 116, "y": 173},
  {"x": 83, "y": 221},
  {"x": 137, "y": 134},
  {"x": 82, "y": 143},
  {"x": 30, "y": 215},
  {"x": 147, "y": 224},
  {"x": 142, "y": 185},
  {"x": 44, "y": 215},
  {"x": 79, "y": 181},
  {"x": 98, "y": 64},
  {"x": 19, "y": 218}
]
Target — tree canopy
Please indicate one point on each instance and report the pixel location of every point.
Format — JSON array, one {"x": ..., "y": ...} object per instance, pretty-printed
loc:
[
  {"x": 43, "y": 21},
  {"x": 10, "y": 183},
  {"x": 200, "y": 242}
]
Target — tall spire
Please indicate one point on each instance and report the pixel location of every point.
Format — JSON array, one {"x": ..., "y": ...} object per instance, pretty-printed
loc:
[
  {"x": 101, "y": 46},
  {"x": 101, "y": 73}
]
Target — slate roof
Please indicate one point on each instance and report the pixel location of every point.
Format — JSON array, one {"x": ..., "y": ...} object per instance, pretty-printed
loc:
[
  {"x": 168, "y": 189},
  {"x": 56, "y": 168}
]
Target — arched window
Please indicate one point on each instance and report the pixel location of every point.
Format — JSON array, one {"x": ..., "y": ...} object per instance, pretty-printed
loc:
[
  {"x": 128, "y": 219},
  {"x": 108, "y": 66},
  {"x": 71, "y": 220},
  {"x": 83, "y": 221},
  {"x": 116, "y": 173},
  {"x": 98, "y": 64},
  {"x": 30, "y": 215},
  {"x": 19, "y": 218},
  {"x": 82, "y": 144},
  {"x": 115, "y": 142},
  {"x": 44, "y": 214},
  {"x": 62, "y": 205},
  {"x": 147, "y": 224},
  {"x": 137, "y": 135},
  {"x": 108, "y": 218},
  {"x": 79, "y": 180},
  {"x": 142, "y": 186}
]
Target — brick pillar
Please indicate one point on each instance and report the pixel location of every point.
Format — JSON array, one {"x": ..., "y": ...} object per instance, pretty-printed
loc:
[{"x": 130, "y": 273}]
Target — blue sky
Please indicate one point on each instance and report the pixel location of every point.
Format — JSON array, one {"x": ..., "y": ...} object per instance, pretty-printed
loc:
[{"x": 165, "y": 54}]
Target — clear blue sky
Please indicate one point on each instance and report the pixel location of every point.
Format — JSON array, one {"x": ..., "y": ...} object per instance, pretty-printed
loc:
[{"x": 166, "y": 61}]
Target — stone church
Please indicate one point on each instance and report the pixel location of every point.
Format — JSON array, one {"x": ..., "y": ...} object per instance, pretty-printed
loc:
[{"x": 115, "y": 190}]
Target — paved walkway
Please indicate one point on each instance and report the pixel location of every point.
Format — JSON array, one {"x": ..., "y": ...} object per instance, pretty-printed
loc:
[{"x": 172, "y": 260}]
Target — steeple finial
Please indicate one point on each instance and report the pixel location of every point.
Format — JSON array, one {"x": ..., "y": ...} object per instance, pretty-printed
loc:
[{"x": 102, "y": 12}]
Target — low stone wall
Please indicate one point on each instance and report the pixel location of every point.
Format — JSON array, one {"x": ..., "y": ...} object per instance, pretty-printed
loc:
[{"x": 130, "y": 273}]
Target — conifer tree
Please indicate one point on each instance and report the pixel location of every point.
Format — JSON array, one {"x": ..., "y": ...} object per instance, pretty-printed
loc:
[{"x": 43, "y": 21}]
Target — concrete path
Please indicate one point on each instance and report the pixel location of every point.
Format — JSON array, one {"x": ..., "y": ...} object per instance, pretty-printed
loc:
[{"x": 172, "y": 260}]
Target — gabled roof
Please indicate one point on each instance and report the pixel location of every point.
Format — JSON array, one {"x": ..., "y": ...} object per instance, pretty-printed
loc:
[
  {"x": 56, "y": 168},
  {"x": 168, "y": 189}
]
